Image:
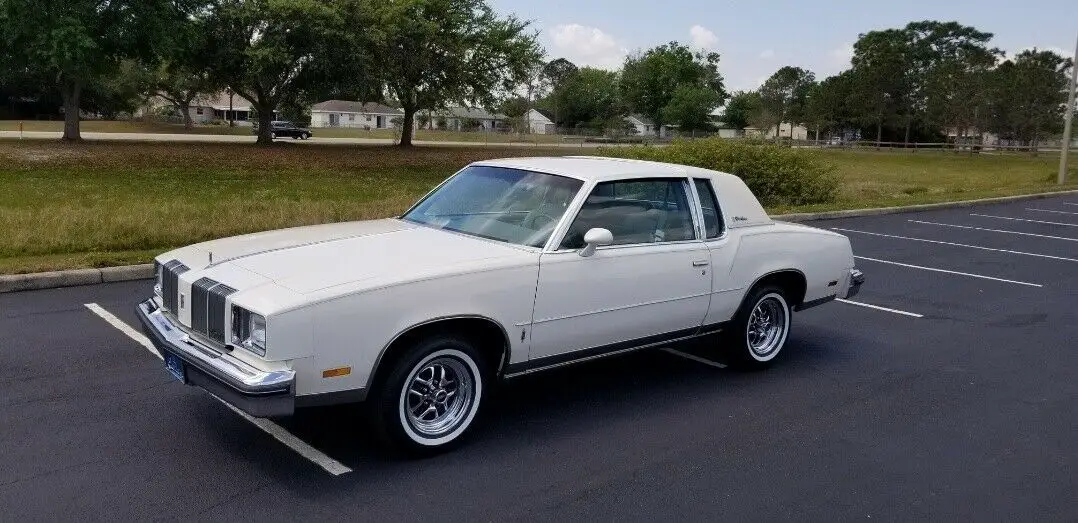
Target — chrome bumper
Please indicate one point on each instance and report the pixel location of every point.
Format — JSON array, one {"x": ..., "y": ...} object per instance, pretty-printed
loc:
[
  {"x": 856, "y": 279},
  {"x": 256, "y": 392}
]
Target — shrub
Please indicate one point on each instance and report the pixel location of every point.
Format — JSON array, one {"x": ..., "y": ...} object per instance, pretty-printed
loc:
[{"x": 776, "y": 175}]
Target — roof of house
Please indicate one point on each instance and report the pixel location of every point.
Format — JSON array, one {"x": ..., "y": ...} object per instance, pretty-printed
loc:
[
  {"x": 220, "y": 101},
  {"x": 345, "y": 106},
  {"x": 535, "y": 115},
  {"x": 641, "y": 118}
]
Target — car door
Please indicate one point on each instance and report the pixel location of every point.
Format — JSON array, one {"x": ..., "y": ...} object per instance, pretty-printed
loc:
[
  {"x": 726, "y": 294},
  {"x": 652, "y": 284}
]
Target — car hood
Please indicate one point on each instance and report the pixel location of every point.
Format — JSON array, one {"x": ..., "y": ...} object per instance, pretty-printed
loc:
[{"x": 377, "y": 252}]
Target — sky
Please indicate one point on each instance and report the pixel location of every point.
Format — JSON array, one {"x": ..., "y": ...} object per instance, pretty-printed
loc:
[{"x": 755, "y": 38}]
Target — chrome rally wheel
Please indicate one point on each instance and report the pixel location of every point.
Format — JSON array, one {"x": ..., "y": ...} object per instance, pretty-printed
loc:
[{"x": 440, "y": 397}]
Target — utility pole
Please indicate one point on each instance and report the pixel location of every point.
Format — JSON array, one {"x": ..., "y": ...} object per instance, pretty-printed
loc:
[{"x": 1067, "y": 119}]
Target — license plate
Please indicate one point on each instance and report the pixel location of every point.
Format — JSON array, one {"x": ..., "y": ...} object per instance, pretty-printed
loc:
[{"x": 175, "y": 366}]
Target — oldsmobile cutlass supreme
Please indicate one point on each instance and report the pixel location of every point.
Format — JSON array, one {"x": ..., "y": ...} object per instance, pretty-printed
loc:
[{"x": 508, "y": 267}]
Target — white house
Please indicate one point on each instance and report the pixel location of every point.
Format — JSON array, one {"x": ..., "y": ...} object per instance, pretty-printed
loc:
[
  {"x": 466, "y": 119},
  {"x": 219, "y": 106},
  {"x": 342, "y": 113},
  {"x": 538, "y": 123},
  {"x": 645, "y": 127},
  {"x": 786, "y": 130}
]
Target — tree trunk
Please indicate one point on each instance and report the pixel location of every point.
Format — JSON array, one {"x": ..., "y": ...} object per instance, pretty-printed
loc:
[
  {"x": 72, "y": 93},
  {"x": 265, "y": 124},
  {"x": 407, "y": 126},
  {"x": 906, "y": 139},
  {"x": 185, "y": 108},
  {"x": 879, "y": 132}
]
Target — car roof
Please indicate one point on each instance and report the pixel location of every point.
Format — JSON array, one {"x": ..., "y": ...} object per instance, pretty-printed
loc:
[{"x": 598, "y": 168}]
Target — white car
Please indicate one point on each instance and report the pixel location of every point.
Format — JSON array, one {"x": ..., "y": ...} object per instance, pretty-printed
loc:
[{"x": 507, "y": 268}]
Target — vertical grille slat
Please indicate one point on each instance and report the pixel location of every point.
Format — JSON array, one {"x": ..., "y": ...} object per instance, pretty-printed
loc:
[
  {"x": 208, "y": 308},
  {"x": 170, "y": 275}
]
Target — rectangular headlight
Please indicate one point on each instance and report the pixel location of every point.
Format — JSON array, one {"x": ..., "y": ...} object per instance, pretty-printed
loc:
[{"x": 248, "y": 330}]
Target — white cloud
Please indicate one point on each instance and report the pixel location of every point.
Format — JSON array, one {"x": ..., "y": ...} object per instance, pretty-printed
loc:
[
  {"x": 589, "y": 46},
  {"x": 702, "y": 37},
  {"x": 767, "y": 54}
]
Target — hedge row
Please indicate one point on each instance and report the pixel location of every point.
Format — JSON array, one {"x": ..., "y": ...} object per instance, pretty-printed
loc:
[{"x": 777, "y": 175}]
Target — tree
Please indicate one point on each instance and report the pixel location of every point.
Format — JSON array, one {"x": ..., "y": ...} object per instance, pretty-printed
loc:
[
  {"x": 690, "y": 108},
  {"x": 270, "y": 52},
  {"x": 459, "y": 51},
  {"x": 185, "y": 73},
  {"x": 880, "y": 77},
  {"x": 1027, "y": 94},
  {"x": 650, "y": 81},
  {"x": 783, "y": 95},
  {"x": 589, "y": 99},
  {"x": 71, "y": 44},
  {"x": 557, "y": 72},
  {"x": 826, "y": 103},
  {"x": 743, "y": 105}
]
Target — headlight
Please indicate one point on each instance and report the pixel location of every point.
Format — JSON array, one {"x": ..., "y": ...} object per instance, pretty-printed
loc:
[{"x": 249, "y": 330}]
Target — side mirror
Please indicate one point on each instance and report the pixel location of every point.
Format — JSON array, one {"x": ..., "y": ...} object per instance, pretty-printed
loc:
[{"x": 595, "y": 238}]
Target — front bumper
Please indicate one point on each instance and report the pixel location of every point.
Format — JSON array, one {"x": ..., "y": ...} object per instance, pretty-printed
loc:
[
  {"x": 257, "y": 392},
  {"x": 856, "y": 279}
]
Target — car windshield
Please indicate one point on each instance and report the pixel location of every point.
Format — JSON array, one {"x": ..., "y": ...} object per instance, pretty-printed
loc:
[{"x": 509, "y": 205}]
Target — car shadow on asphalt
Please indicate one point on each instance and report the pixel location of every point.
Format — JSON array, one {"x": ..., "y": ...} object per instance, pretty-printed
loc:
[{"x": 538, "y": 409}]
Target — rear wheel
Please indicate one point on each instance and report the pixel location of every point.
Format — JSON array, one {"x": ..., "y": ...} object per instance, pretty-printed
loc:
[
  {"x": 760, "y": 328},
  {"x": 431, "y": 395},
  {"x": 273, "y": 136}
]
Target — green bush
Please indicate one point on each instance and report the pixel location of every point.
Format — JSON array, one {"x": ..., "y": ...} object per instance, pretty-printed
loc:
[{"x": 776, "y": 175}]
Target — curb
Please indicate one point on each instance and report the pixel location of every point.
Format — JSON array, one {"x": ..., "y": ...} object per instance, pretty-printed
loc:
[{"x": 75, "y": 277}]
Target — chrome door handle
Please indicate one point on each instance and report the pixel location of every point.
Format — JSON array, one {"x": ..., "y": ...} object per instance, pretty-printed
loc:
[{"x": 699, "y": 263}]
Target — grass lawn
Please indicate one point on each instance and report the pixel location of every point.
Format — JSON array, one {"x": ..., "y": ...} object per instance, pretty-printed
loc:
[{"x": 108, "y": 203}]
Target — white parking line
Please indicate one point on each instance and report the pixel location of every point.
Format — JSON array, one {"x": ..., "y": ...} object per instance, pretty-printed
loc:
[
  {"x": 1023, "y": 220},
  {"x": 692, "y": 357},
  {"x": 997, "y": 230},
  {"x": 877, "y": 307},
  {"x": 279, "y": 433},
  {"x": 933, "y": 269},
  {"x": 1051, "y": 211},
  {"x": 1066, "y": 203},
  {"x": 1062, "y": 258}
]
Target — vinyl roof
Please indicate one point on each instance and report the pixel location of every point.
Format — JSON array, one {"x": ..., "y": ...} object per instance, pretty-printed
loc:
[{"x": 598, "y": 168}]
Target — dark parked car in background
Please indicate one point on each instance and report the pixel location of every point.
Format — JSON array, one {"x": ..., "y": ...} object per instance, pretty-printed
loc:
[{"x": 283, "y": 129}]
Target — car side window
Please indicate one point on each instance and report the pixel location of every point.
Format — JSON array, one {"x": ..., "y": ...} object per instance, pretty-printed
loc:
[
  {"x": 635, "y": 212},
  {"x": 709, "y": 204}
]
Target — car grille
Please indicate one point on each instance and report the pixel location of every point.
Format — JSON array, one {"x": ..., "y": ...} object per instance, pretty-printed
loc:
[
  {"x": 208, "y": 308},
  {"x": 170, "y": 275}
]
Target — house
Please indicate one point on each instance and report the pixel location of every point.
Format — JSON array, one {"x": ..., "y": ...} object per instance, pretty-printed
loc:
[
  {"x": 468, "y": 119},
  {"x": 538, "y": 123},
  {"x": 366, "y": 115},
  {"x": 645, "y": 127},
  {"x": 208, "y": 108},
  {"x": 786, "y": 130}
]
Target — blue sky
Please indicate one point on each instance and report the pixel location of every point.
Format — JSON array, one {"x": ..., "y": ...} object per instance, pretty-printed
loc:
[{"x": 756, "y": 38}]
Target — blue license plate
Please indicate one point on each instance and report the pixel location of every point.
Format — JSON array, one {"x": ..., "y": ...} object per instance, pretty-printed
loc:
[{"x": 175, "y": 366}]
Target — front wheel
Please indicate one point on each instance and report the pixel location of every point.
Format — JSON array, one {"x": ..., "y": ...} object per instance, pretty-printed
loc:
[
  {"x": 431, "y": 396},
  {"x": 760, "y": 329}
]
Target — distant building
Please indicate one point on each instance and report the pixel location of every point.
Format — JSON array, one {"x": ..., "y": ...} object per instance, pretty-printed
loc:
[
  {"x": 205, "y": 109},
  {"x": 645, "y": 127},
  {"x": 786, "y": 130},
  {"x": 468, "y": 119},
  {"x": 341, "y": 113},
  {"x": 538, "y": 123}
]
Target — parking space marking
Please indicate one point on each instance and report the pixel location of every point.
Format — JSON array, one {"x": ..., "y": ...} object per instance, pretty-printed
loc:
[
  {"x": 276, "y": 431},
  {"x": 1024, "y": 220},
  {"x": 933, "y": 269},
  {"x": 1051, "y": 211},
  {"x": 1008, "y": 251},
  {"x": 124, "y": 328},
  {"x": 1068, "y": 203},
  {"x": 692, "y": 357},
  {"x": 877, "y": 307},
  {"x": 997, "y": 230}
]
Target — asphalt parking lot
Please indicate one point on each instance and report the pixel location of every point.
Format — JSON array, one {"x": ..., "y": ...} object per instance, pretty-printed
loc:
[{"x": 947, "y": 391}]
